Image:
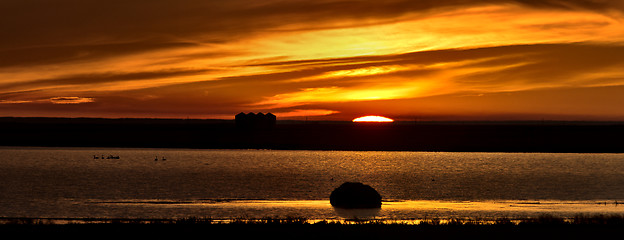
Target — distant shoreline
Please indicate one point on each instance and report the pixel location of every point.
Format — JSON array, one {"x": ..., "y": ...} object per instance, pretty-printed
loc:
[{"x": 464, "y": 136}]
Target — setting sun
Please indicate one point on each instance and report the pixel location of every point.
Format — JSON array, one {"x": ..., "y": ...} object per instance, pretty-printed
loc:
[{"x": 373, "y": 119}]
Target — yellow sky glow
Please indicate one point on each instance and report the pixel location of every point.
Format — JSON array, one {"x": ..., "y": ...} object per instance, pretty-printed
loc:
[{"x": 319, "y": 61}]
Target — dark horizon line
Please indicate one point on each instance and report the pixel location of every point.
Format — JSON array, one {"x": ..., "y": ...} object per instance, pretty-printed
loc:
[{"x": 543, "y": 121}]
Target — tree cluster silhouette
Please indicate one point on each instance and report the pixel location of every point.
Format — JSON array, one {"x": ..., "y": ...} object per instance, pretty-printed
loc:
[{"x": 255, "y": 121}]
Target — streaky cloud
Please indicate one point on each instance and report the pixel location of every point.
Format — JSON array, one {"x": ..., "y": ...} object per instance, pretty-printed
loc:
[
  {"x": 172, "y": 58},
  {"x": 100, "y": 78},
  {"x": 70, "y": 100},
  {"x": 56, "y": 54}
]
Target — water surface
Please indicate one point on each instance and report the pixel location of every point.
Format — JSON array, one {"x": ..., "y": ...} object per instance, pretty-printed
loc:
[{"x": 225, "y": 184}]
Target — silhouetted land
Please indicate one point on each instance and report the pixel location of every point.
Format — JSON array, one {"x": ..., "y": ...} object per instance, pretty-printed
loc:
[
  {"x": 540, "y": 228},
  {"x": 408, "y": 136}
]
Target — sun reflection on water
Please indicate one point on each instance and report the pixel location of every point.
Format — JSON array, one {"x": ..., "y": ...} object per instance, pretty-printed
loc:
[{"x": 406, "y": 212}]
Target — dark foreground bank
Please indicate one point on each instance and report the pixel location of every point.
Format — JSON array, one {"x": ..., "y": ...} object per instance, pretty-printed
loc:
[
  {"x": 604, "y": 137},
  {"x": 547, "y": 228}
]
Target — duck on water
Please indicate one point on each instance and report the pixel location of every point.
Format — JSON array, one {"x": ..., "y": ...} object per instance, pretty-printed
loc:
[{"x": 108, "y": 157}]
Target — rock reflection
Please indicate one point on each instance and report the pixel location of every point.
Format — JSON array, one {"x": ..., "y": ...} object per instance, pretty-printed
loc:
[{"x": 357, "y": 213}]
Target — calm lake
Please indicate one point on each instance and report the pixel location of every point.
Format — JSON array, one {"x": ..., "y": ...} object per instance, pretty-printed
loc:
[{"x": 229, "y": 184}]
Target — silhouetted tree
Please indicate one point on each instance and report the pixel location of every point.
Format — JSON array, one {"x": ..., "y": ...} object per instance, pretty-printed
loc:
[
  {"x": 255, "y": 121},
  {"x": 241, "y": 120},
  {"x": 271, "y": 119}
]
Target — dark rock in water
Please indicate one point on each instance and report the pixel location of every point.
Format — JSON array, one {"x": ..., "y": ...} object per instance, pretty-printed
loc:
[{"x": 355, "y": 195}]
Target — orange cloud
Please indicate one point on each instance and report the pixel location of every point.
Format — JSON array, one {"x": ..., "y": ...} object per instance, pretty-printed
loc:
[
  {"x": 216, "y": 58},
  {"x": 305, "y": 112},
  {"x": 70, "y": 100}
]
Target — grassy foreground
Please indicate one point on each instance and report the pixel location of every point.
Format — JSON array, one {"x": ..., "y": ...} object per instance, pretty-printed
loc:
[{"x": 545, "y": 227}]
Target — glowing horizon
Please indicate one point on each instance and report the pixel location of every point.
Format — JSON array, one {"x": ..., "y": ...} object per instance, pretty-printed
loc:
[
  {"x": 373, "y": 118},
  {"x": 432, "y": 60}
]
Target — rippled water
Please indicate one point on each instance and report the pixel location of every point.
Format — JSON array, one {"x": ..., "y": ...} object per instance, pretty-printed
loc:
[{"x": 66, "y": 182}]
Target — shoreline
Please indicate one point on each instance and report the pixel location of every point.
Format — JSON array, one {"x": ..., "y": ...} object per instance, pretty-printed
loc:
[
  {"x": 543, "y": 219},
  {"x": 543, "y": 227},
  {"x": 552, "y": 137}
]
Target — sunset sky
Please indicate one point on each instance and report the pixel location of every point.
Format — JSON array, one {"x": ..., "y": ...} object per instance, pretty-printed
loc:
[{"x": 324, "y": 59}]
